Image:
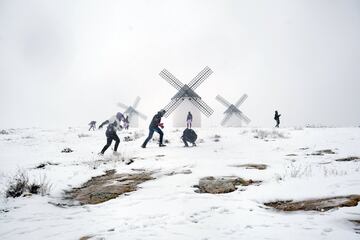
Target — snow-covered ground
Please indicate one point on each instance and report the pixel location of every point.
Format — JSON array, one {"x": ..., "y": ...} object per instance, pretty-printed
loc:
[{"x": 168, "y": 207}]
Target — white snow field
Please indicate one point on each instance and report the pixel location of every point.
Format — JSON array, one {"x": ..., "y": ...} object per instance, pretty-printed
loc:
[{"x": 168, "y": 207}]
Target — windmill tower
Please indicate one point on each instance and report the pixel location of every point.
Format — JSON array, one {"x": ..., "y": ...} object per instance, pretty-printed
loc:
[
  {"x": 132, "y": 113},
  {"x": 233, "y": 116},
  {"x": 186, "y": 99}
]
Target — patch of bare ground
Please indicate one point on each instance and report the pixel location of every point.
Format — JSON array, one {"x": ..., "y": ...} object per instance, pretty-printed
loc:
[
  {"x": 86, "y": 237},
  {"x": 251, "y": 166},
  {"x": 217, "y": 185},
  {"x": 321, "y": 205},
  {"x": 322, "y": 152},
  {"x": 108, "y": 186},
  {"x": 348, "y": 159}
]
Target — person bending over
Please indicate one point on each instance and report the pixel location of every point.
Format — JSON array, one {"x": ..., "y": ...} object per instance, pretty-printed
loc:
[{"x": 113, "y": 126}]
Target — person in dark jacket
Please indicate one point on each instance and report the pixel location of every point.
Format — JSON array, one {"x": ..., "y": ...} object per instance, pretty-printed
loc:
[
  {"x": 189, "y": 135},
  {"x": 92, "y": 125},
  {"x": 189, "y": 119},
  {"x": 126, "y": 123},
  {"x": 154, "y": 127},
  {"x": 113, "y": 126},
  {"x": 277, "y": 118}
]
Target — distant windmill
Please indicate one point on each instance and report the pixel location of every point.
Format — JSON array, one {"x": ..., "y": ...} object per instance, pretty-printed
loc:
[
  {"x": 133, "y": 113},
  {"x": 233, "y": 113},
  {"x": 186, "y": 94}
]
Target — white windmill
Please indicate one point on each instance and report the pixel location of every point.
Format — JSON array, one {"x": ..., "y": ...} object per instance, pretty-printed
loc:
[
  {"x": 233, "y": 116},
  {"x": 132, "y": 113},
  {"x": 186, "y": 99}
]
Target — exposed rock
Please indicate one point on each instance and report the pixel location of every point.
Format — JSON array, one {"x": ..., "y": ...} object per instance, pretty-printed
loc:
[
  {"x": 86, "y": 237},
  {"x": 304, "y": 148},
  {"x": 216, "y": 138},
  {"x": 251, "y": 166},
  {"x": 323, "y": 204},
  {"x": 128, "y": 139},
  {"x": 185, "y": 171},
  {"x": 67, "y": 150},
  {"x": 4, "y": 132},
  {"x": 348, "y": 159},
  {"x": 108, "y": 186},
  {"x": 322, "y": 152},
  {"x": 291, "y": 155},
  {"x": 43, "y": 165},
  {"x": 221, "y": 184}
]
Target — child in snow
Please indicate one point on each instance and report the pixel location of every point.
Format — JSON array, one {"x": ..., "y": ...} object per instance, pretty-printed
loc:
[
  {"x": 277, "y": 118},
  {"x": 92, "y": 125},
  {"x": 189, "y": 135},
  {"x": 189, "y": 120},
  {"x": 113, "y": 125},
  {"x": 154, "y": 127}
]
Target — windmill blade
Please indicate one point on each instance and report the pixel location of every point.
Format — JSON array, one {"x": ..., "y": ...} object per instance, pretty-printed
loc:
[
  {"x": 243, "y": 117},
  {"x": 119, "y": 104},
  {"x": 226, "y": 119},
  {"x": 136, "y": 102},
  {"x": 241, "y": 100},
  {"x": 172, "y": 106},
  {"x": 202, "y": 106},
  {"x": 223, "y": 101},
  {"x": 165, "y": 74},
  {"x": 143, "y": 116},
  {"x": 200, "y": 78}
]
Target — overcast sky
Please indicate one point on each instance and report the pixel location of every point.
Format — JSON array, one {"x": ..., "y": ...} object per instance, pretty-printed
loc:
[{"x": 64, "y": 63}]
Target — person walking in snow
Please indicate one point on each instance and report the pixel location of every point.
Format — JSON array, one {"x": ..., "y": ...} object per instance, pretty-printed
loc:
[
  {"x": 154, "y": 127},
  {"x": 113, "y": 126},
  {"x": 92, "y": 125},
  {"x": 277, "y": 118},
  {"x": 126, "y": 123},
  {"x": 189, "y": 119},
  {"x": 189, "y": 135}
]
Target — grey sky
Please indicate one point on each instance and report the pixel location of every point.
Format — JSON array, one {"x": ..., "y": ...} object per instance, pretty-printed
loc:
[{"x": 64, "y": 63}]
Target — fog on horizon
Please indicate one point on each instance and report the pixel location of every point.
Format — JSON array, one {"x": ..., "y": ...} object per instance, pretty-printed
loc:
[{"x": 65, "y": 63}]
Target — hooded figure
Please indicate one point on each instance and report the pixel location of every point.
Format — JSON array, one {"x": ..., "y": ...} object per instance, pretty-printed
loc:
[
  {"x": 126, "y": 123},
  {"x": 154, "y": 127},
  {"x": 277, "y": 118},
  {"x": 113, "y": 126},
  {"x": 189, "y": 135},
  {"x": 92, "y": 125}
]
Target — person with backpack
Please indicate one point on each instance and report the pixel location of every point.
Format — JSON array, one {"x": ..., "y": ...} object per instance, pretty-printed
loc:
[
  {"x": 154, "y": 126},
  {"x": 189, "y": 135},
  {"x": 113, "y": 126},
  {"x": 277, "y": 119},
  {"x": 189, "y": 119}
]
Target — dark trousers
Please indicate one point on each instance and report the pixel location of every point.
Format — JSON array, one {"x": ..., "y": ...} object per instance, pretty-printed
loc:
[
  {"x": 151, "y": 133},
  {"x": 110, "y": 136},
  {"x": 92, "y": 127},
  {"x": 277, "y": 123}
]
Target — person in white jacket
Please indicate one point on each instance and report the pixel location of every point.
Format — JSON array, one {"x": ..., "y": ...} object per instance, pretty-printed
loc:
[{"x": 114, "y": 124}]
